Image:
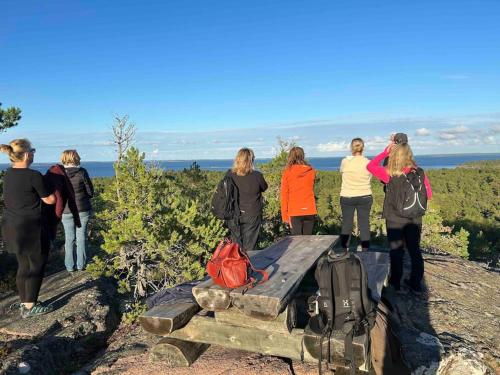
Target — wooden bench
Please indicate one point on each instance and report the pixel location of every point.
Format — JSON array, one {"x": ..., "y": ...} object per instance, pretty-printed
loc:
[{"x": 269, "y": 319}]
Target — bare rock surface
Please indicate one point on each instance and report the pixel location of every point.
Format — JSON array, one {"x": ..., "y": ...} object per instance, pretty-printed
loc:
[
  {"x": 61, "y": 341},
  {"x": 452, "y": 329}
]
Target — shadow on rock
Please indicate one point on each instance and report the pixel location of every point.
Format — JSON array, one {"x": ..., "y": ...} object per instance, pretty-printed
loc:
[{"x": 62, "y": 341}]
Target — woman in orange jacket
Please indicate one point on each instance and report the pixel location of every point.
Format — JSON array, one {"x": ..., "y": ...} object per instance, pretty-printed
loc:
[{"x": 298, "y": 206}]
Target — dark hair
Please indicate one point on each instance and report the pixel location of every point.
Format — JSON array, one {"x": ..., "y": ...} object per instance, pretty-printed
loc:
[
  {"x": 296, "y": 156},
  {"x": 400, "y": 138}
]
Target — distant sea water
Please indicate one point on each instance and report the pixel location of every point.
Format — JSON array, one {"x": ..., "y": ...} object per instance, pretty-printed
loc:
[{"x": 105, "y": 169}]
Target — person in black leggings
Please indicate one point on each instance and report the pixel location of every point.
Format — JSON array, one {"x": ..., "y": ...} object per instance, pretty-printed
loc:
[
  {"x": 30, "y": 275},
  {"x": 355, "y": 195},
  {"x": 22, "y": 230},
  {"x": 401, "y": 231},
  {"x": 399, "y": 234}
]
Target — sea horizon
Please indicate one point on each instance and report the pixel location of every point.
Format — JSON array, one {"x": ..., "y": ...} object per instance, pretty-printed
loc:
[{"x": 332, "y": 163}]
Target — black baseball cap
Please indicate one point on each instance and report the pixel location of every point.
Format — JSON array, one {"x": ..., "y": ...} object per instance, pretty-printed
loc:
[{"x": 400, "y": 138}]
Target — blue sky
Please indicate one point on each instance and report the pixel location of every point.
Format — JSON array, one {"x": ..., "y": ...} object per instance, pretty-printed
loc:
[{"x": 202, "y": 78}]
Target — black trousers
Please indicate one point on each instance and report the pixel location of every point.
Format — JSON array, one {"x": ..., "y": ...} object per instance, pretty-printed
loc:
[
  {"x": 29, "y": 276},
  {"x": 362, "y": 205},
  {"x": 399, "y": 235},
  {"x": 246, "y": 231},
  {"x": 302, "y": 224}
]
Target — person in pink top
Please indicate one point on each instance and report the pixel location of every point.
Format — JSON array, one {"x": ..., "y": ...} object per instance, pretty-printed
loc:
[{"x": 402, "y": 229}]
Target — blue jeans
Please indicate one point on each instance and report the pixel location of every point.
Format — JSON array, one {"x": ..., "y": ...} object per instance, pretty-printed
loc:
[{"x": 81, "y": 241}]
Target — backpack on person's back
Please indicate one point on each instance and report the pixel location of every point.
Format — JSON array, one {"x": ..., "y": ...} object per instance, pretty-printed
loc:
[
  {"x": 406, "y": 195},
  {"x": 413, "y": 198},
  {"x": 224, "y": 203}
]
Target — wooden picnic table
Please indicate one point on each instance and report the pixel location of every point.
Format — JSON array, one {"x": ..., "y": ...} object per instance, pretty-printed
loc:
[{"x": 268, "y": 319}]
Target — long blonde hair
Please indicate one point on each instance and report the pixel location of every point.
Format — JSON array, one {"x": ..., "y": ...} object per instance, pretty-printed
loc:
[
  {"x": 16, "y": 149},
  {"x": 400, "y": 157},
  {"x": 243, "y": 162},
  {"x": 296, "y": 156},
  {"x": 70, "y": 157}
]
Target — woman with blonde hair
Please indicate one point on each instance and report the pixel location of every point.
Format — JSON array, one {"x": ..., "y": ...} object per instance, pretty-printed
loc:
[
  {"x": 251, "y": 184},
  {"x": 84, "y": 191},
  {"x": 401, "y": 174},
  {"x": 355, "y": 195},
  {"x": 298, "y": 205},
  {"x": 24, "y": 235}
]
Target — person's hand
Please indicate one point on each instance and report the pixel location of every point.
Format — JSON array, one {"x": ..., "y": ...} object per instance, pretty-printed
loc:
[
  {"x": 290, "y": 224},
  {"x": 389, "y": 147}
]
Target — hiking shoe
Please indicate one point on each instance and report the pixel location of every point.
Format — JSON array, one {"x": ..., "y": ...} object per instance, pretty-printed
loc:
[
  {"x": 15, "y": 306},
  {"x": 37, "y": 309}
]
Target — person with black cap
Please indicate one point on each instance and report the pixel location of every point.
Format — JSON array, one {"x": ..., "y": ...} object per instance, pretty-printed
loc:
[{"x": 402, "y": 229}]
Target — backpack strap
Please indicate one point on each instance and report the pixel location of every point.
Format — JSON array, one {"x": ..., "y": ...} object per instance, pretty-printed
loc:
[
  {"x": 327, "y": 331},
  {"x": 340, "y": 288},
  {"x": 253, "y": 281},
  {"x": 349, "y": 349},
  {"x": 370, "y": 313}
]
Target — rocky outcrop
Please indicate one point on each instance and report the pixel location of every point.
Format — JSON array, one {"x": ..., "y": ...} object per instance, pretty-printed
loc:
[
  {"x": 450, "y": 330},
  {"x": 59, "y": 342},
  {"x": 453, "y": 328}
]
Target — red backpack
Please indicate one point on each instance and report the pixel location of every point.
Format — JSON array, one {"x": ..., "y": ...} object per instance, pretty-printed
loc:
[{"x": 231, "y": 268}]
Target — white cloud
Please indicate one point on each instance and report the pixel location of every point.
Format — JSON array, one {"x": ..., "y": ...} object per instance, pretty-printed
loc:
[
  {"x": 454, "y": 133},
  {"x": 495, "y": 129},
  {"x": 427, "y": 143},
  {"x": 447, "y": 136},
  {"x": 318, "y": 138},
  {"x": 333, "y": 146},
  {"x": 458, "y": 130},
  {"x": 422, "y": 132},
  {"x": 376, "y": 143},
  {"x": 490, "y": 140}
]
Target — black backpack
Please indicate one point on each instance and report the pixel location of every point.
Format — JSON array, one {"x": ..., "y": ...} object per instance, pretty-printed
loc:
[
  {"x": 225, "y": 199},
  {"x": 344, "y": 303},
  {"x": 412, "y": 200}
]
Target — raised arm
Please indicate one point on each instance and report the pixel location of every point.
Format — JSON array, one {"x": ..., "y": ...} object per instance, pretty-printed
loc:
[
  {"x": 378, "y": 170},
  {"x": 428, "y": 187}
]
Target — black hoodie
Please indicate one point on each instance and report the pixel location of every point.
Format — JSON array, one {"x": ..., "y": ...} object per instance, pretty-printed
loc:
[{"x": 82, "y": 185}]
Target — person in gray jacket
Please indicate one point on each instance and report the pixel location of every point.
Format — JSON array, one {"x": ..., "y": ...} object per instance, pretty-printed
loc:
[{"x": 82, "y": 185}]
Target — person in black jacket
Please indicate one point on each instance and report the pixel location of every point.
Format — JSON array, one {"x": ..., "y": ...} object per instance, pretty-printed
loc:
[
  {"x": 251, "y": 184},
  {"x": 24, "y": 190},
  {"x": 82, "y": 186}
]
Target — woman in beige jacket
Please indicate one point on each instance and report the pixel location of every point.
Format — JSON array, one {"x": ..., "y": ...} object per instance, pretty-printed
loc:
[{"x": 355, "y": 194}]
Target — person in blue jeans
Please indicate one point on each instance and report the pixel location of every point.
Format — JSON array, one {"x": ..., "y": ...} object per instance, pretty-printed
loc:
[{"x": 84, "y": 191}]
